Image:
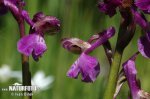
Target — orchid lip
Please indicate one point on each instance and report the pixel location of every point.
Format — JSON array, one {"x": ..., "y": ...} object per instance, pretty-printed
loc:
[
  {"x": 32, "y": 44},
  {"x": 87, "y": 66}
]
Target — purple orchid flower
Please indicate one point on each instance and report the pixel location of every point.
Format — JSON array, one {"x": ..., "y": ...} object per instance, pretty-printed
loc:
[
  {"x": 143, "y": 5},
  {"x": 144, "y": 41},
  {"x": 109, "y": 6},
  {"x": 87, "y": 65},
  {"x": 48, "y": 24},
  {"x": 130, "y": 73},
  {"x": 42, "y": 23},
  {"x": 34, "y": 43},
  {"x": 144, "y": 46},
  {"x": 140, "y": 19}
]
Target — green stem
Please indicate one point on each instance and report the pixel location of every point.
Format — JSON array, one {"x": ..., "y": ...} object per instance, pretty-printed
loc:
[
  {"x": 114, "y": 69},
  {"x": 125, "y": 35},
  {"x": 113, "y": 76}
]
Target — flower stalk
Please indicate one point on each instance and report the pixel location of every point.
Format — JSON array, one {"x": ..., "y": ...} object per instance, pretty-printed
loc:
[
  {"x": 110, "y": 89},
  {"x": 126, "y": 33},
  {"x": 26, "y": 74}
]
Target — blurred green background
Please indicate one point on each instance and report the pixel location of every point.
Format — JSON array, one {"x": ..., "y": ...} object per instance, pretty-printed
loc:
[{"x": 79, "y": 18}]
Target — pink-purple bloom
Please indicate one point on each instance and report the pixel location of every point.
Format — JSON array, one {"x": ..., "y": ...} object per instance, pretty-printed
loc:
[
  {"x": 144, "y": 41},
  {"x": 32, "y": 44},
  {"x": 144, "y": 46},
  {"x": 109, "y": 6},
  {"x": 130, "y": 73},
  {"x": 143, "y": 5},
  {"x": 47, "y": 24},
  {"x": 140, "y": 19},
  {"x": 86, "y": 65}
]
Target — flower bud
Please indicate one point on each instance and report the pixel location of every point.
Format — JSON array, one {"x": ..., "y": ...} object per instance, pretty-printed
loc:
[{"x": 48, "y": 24}]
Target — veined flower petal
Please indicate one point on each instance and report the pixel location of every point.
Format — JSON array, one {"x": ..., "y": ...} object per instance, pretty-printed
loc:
[
  {"x": 144, "y": 47},
  {"x": 88, "y": 66},
  {"x": 75, "y": 45},
  {"x": 48, "y": 24},
  {"x": 130, "y": 73},
  {"x": 143, "y": 5},
  {"x": 103, "y": 37},
  {"x": 139, "y": 19},
  {"x": 32, "y": 44}
]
